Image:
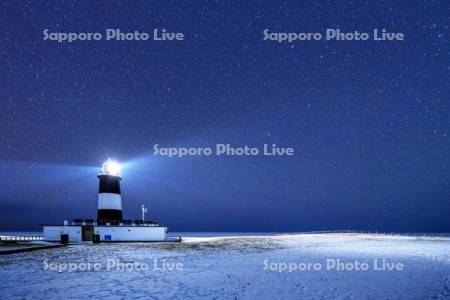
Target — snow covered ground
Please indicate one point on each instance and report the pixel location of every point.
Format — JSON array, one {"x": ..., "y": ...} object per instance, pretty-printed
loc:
[{"x": 246, "y": 267}]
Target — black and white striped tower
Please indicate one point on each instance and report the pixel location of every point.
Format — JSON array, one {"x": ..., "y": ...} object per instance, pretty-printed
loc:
[{"x": 109, "y": 198}]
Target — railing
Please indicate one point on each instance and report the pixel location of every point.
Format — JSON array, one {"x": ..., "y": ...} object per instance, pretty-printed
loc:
[
  {"x": 174, "y": 239},
  {"x": 8, "y": 238},
  {"x": 105, "y": 222}
]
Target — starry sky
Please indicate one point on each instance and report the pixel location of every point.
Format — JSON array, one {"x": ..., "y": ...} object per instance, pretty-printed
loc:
[{"x": 369, "y": 121}]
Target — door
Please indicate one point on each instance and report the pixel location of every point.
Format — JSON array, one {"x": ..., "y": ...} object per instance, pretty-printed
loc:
[{"x": 87, "y": 233}]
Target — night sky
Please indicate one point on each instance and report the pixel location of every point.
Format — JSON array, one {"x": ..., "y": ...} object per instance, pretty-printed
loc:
[{"x": 369, "y": 121}]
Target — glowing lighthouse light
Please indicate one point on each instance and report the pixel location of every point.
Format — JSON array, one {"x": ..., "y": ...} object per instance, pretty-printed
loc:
[{"x": 111, "y": 167}]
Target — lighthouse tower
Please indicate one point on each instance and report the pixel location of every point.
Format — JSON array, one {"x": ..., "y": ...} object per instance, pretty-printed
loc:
[{"x": 109, "y": 198}]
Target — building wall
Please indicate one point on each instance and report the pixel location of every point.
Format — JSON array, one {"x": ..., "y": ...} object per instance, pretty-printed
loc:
[
  {"x": 53, "y": 233},
  {"x": 131, "y": 233}
]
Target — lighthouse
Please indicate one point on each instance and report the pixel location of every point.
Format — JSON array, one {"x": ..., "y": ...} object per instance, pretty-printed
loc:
[
  {"x": 110, "y": 225},
  {"x": 109, "y": 207}
]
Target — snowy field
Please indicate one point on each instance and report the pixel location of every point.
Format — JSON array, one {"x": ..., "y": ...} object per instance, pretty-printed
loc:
[{"x": 247, "y": 267}]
